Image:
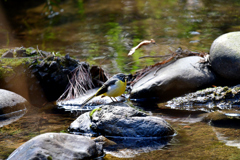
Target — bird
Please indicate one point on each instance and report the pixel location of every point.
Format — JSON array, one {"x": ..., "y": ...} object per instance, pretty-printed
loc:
[{"x": 113, "y": 87}]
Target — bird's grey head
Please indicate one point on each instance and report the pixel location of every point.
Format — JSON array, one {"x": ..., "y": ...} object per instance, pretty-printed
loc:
[{"x": 121, "y": 76}]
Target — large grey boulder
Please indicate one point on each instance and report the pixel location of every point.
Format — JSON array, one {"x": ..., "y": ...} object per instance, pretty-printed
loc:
[
  {"x": 10, "y": 99},
  {"x": 59, "y": 146},
  {"x": 12, "y": 107},
  {"x": 121, "y": 120},
  {"x": 180, "y": 77},
  {"x": 225, "y": 56}
]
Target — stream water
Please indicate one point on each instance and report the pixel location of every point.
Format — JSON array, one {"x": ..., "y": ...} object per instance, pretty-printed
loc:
[{"x": 102, "y": 33}]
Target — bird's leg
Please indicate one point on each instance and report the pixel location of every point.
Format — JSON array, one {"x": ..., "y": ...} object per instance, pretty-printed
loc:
[
  {"x": 112, "y": 99},
  {"x": 123, "y": 96},
  {"x": 115, "y": 99}
]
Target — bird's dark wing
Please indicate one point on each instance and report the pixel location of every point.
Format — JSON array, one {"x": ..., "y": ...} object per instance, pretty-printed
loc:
[{"x": 105, "y": 86}]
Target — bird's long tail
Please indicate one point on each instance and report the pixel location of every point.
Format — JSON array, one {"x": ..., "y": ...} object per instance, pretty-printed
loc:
[{"x": 87, "y": 100}]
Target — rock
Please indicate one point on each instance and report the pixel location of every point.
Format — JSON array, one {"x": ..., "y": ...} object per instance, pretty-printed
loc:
[
  {"x": 12, "y": 107},
  {"x": 8, "y": 54},
  {"x": 225, "y": 56},
  {"x": 105, "y": 141},
  {"x": 44, "y": 77},
  {"x": 45, "y": 54},
  {"x": 66, "y": 71},
  {"x": 67, "y": 56},
  {"x": 42, "y": 74},
  {"x": 180, "y": 77},
  {"x": 82, "y": 125},
  {"x": 21, "y": 53},
  {"x": 53, "y": 73},
  {"x": 10, "y": 101},
  {"x": 223, "y": 119},
  {"x": 56, "y": 146},
  {"x": 209, "y": 99},
  {"x": 33, "y": 53},
  {"x": 122, "y": 120},
  {"x": 215, "y": 116},
  {"x": 53, "y": 66}
]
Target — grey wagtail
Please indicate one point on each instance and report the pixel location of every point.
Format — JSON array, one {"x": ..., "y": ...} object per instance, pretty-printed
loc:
[{"x": 113, "y": 87}]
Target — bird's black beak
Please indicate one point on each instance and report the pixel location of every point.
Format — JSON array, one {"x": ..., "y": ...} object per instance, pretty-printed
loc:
[{"x": 128, "y": 77}]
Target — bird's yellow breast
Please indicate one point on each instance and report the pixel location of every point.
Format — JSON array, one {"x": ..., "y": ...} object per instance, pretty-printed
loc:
[{"x": 117, "y": 89}]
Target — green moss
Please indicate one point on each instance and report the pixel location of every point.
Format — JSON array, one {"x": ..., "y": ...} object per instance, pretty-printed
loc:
[
  {"x": 7, "y": 65},
  {"x": 225, "y": 89},
  {"x": 58, "y": 54},
  {"x": 5, "y": 152},
  {"x": 29, "y": 50},
  {"x": 49, "y": 158},
  {"x": 237, "y": 88},
  {"x": 3, "y": 51},
  {"x": 14, "y": 62},
  {"x": 64, "y": 131},
  {"x": 94, "y": 110},
  {"x": 235, "y": 157}
]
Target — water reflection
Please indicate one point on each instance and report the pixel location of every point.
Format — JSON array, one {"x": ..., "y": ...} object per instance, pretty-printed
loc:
[
  {"x": 89, "y": 29},
  {"x": 227, "y": 130},
  {"x": 9, "y": 118},
  {"x": 130, "y": 147}
]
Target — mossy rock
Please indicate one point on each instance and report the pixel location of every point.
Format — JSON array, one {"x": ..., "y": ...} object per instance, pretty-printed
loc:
[
  {"x": 93, "y": 111},
  {"x": 38, "y": 74}
]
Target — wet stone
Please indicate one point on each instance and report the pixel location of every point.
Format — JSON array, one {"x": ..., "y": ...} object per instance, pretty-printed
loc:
[
  {"x": 21, "y": 53},
  {"x": 34, "y": 70},
  {"x": 121, "y": 120},
  {"x": 182, "y": 76},
  {"x": 209, "y": 99},
  {"x": 225, "y": 56},
  {"x": 53, "y": 66},
  {"x": 8, "y": 54},
  {"x": 33, "y": 53},
  {"x": 66, "y": 71},
  {"x": 42, "y": 74},
  {"x": 57, "y": 146},
  {"x": 12, "y": 107},
  {"x": 57, "y": 78},
  {"x": 42, "y": 64},
  {"x": 67, "y": 57},
  {"x": 45, "y": 54}
]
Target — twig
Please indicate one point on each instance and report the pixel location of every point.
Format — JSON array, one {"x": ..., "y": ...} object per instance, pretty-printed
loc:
[
  {"x": 145, "y": 42},
  {"x": 154, "y": 56},
  {"x": 179, "y": 53},
  {"x": 79, "y": 83}
]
